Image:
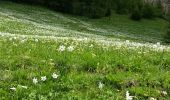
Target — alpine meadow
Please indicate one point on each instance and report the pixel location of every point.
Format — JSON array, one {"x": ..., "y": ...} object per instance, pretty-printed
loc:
[{"x": 84, "y": 50}]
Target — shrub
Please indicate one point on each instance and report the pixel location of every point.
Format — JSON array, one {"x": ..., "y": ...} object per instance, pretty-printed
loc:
[
  {"x": 122, "y": 6},
  {"x": 108, "y": 13},
  {"x": 136, "y": 10},
  {"x": 167, "y": 37},
  {"x": 159, "y": 10},
  {"x": 90, "y": 8},
  {"x": 148, "y": 11},
  {"x": 136, "y": 14},
  {"x": 100, "y": 8}
]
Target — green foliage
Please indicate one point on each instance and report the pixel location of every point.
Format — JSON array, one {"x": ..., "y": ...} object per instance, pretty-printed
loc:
[
  {"x": 121, "y": 6},
  {"x": 167, "y": 37},
  {"x": 98, "y": 8},
  {"x": 31, "y": 50},
  {"x": 119, "y": 69},
  {"x": 138, "y": 9},
  {"x": 159, "y": 10},
  {"x": 136, "y": 14},
  {"x": 144, "y": 30},
  {"x": 90, "y": 8},
  {"x": 148, "y": 11}
]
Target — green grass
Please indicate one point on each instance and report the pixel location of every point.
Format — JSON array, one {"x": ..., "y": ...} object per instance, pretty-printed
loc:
[
  {"x": 30, "y": 37},
  {"x": 24, "y": 19},
  {"x": 142, "y": 71},
  {"x": 146, "y": 30}
]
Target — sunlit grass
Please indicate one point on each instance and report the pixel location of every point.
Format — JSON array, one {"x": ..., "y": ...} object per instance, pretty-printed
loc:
[
  {"x": 142, "y": 71},
  {"x": 48, "y": 55}
]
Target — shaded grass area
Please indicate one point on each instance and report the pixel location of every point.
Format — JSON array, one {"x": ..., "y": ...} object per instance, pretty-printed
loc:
[
  {"x": 147, "y": 30},
  {"x": 33, "y": 20},
  {"x": 143, "y": 72}
]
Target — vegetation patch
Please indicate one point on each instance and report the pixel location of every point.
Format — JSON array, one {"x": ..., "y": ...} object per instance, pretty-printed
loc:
[{"x": 35, "y": 68}]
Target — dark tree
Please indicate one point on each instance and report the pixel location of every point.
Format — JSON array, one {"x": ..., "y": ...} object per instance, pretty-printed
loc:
[{"x": 89, "y": 8}]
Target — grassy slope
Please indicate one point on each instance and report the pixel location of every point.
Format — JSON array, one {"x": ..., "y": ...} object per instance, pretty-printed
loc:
[
  {"x": 142, "y": 71},
  {"x": 146, "y": 30},
  {"x": 35, "y": 20}
]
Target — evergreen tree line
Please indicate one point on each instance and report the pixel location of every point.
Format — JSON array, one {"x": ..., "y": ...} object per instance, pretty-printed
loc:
[
  {"x": 137, "y": 9},
  {"x": 89, "y": 8}
]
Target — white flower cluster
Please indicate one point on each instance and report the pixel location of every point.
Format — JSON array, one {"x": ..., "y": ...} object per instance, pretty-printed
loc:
[
  {"x": 63, "y": 48},
  {"x": 35, "y": 81},
  {"x": 101, "y": 41},
  {"x": 101, "y": 85},
  {"x": 128, "y": 97},
  {"x": 19, "y": 86},
  {"x": 152, "y": 98},
  {"x": 44, "y": 78}
]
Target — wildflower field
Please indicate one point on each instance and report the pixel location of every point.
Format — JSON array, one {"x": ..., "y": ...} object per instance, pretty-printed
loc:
[
  {"x": 42, "y": 61},
  {"x": 42, "y": 68}
]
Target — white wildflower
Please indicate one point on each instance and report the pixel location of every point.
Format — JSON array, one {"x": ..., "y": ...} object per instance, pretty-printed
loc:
[
  {"x": 55, "y": 76},
  {"x": 151, "y": 98},
  {"x": 35, "y": 81},
  {"x": 43, "y": 78},
  {"x": 158, "y": 43},
  {"x": 128, "y": 97},
  {"x": 15, "y": 38},
  {"x": 25, "y": 87},
  {"x": 51, "y": 59},
  {"x": 127, "y": 41},
  {"x": 23, "y": 40},
  {"x": 36, "y": 40},
  {"x": 2, "y": 35},
  {"x": 52, "y": 64},
  {"x": 10, "y": 39},
  {"x": 70, "y": 48},
  {"x": 13, "y": 88},
  {"x": 61, "y": 48},
  {"x": 164, "y": 92},
  {"x": 139, "y": 52},
  {"x": 101, "y": 85},
  {"x": 15, "y": 44},
  {"x": 161, "y": 49},
  {"x": 91, "y": 46}
]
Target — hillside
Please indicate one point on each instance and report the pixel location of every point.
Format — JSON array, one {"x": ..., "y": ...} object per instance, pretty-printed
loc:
[
  {"x": 23, "y": 19},
  {"x": 49, "y": 55}
]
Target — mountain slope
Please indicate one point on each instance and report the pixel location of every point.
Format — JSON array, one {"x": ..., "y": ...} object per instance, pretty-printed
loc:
[
  {"x": 47, "y": 55},
  {"x": 24, "y": 19}
]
